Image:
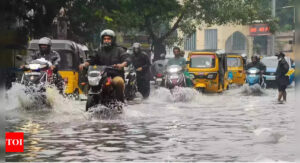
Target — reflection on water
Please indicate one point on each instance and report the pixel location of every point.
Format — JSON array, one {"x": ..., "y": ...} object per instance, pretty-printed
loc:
[{"x": 183, "y": 126}]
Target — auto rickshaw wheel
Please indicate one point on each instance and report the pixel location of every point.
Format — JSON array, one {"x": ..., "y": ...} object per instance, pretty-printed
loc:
[{"x": 202, "y": 90}]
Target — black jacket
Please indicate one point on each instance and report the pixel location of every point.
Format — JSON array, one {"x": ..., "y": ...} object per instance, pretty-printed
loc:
[
  {"x": 258, "y": 65},
  {"x": 282, "y": 69},
  {"x": 109, "y": 57},
  {"x": 142, "y": 60}
]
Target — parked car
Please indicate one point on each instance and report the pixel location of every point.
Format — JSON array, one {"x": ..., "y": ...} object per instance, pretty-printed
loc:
[{"x": 271, "y": 63}]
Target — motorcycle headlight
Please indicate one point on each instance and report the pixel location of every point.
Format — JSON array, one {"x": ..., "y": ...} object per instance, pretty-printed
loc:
[
  {"x": 34, "y": 66},
  {"x": 94, "y": 81}
]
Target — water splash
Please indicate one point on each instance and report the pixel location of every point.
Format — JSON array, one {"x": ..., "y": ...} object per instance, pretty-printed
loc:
[
  {"x": 254, "y": 90},
  {"x": 177, "y": 94},
  {"x": 106, "y": 112}
]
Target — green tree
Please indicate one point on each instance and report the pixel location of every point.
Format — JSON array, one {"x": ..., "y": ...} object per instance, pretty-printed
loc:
[
  {"x": 89, "y": 17},
  {"x": 285, "y": 13},
  {"x": 152, "y": 15}
]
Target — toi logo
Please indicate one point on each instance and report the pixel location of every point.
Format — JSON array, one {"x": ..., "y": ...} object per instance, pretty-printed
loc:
[{"x": 14, "y": 142}]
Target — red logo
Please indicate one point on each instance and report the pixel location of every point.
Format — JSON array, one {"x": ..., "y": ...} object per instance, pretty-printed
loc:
[{"x": 14, "y": 142}]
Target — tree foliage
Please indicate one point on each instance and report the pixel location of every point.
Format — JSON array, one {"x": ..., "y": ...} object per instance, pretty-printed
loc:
[{"x": 160, "y": 19}]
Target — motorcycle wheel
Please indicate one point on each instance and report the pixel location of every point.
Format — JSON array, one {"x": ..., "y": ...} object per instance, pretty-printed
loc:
[{"x": 91, "y": 101}]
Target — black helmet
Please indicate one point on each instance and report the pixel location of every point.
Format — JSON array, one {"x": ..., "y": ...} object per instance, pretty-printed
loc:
[
  {"x": 255, "y": 58},
  {"x": 281, "y": 54}
]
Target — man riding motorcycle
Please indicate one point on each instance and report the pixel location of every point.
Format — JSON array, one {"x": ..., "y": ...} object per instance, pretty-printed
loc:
[
  {"x": 179, "y": 60},
  {"x": 109, "y": 54},
  {"x": 142, "y": 64},
  {"x": 255, "y": 62},
  {"x": 49, "y": 55}
]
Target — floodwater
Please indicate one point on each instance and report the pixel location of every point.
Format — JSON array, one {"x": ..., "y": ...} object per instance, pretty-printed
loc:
[{"x": 237, "y": 125}]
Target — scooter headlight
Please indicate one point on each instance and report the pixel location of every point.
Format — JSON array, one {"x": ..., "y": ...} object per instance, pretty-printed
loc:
[{"x": 173, "y": 70}]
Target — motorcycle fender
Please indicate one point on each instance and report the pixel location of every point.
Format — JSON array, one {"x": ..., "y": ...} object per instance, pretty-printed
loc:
[
  {"x": 200, "y": 85},
  {"x": 93, "y": 93}
]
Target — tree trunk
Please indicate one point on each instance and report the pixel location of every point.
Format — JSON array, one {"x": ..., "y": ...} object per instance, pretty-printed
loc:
[{"x": 159, "y": 48}]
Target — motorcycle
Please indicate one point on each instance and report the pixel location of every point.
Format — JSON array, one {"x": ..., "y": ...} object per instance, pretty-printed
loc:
[
  {"x": 174, "y": 77},
  {"x": 37, "y": 77},
  {"x": 158, "y": 80},
  {"x": 254, "y": 77},
  {"x": 130, "y": 83},
  {"x": 158, "y": 73},
  {"x": 101, "y": 90}
]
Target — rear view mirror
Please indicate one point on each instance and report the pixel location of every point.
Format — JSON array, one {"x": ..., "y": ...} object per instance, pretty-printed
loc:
[
  {"x": 188, "y": 62},
  {"x": 19, "y": 57}
]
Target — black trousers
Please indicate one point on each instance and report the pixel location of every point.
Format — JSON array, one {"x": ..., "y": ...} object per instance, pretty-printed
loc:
[{"x": 143, "y": 85}]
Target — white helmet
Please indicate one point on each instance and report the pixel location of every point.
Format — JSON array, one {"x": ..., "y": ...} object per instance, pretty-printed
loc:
[
  {"x": 108, "y": 32},
  {"x": 45, "y": 41}
]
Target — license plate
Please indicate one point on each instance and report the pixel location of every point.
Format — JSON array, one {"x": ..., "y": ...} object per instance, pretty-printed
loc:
[
  {"x": 270, "y": 78},
  {"x": 159, "y": 79}
]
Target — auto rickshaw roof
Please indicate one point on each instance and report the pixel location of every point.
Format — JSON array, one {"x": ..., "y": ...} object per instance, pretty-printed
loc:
[
  {"x": 234, "y": 55},
  {"x": 56, "y": 45},
  {"x": 219, "y": 52}
]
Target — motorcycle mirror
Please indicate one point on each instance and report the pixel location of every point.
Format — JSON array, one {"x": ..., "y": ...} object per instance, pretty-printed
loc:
[
  {"x": 188, "y": 62},
  {"x": 19, "y": 57},
  {"x": 54, "y": 58}
]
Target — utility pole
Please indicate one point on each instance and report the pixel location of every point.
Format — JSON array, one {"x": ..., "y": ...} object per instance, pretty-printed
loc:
[{"x": 272, "y": 52}]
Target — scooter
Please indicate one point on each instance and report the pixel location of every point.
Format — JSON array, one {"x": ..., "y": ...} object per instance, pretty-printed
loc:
[
  {"x": 158, "y": 69},
  {"x": 254, "y": 77},
  {"x": 174, "y": 77},
  {"x": 101, "y": 90}
]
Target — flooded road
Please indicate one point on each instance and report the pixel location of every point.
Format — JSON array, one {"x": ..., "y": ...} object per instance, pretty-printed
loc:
[{"x": 236, "y": 125}]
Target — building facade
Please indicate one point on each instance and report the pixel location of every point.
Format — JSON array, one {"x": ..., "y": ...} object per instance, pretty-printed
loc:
[{"x": 231, "y": 38}]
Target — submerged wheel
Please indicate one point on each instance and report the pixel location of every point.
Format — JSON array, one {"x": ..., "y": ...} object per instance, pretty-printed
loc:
[{"x": 91, "y": 101}]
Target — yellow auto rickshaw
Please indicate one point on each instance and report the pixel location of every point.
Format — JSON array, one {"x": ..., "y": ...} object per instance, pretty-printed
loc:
[
  {"x": 69, "y": 65},
  {"x": 208, "y": 70},
  {"x": 236, "y": 66}
]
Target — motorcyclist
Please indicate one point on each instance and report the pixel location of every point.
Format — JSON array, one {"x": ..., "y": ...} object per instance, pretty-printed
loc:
[
  {"x": 110, "y": 54},
  {"x": 142, "y": 64},
  {"x": 49, "y": 55},
  {"x": 179, "y": 60},
  {"x": 257, "y": 64}
]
